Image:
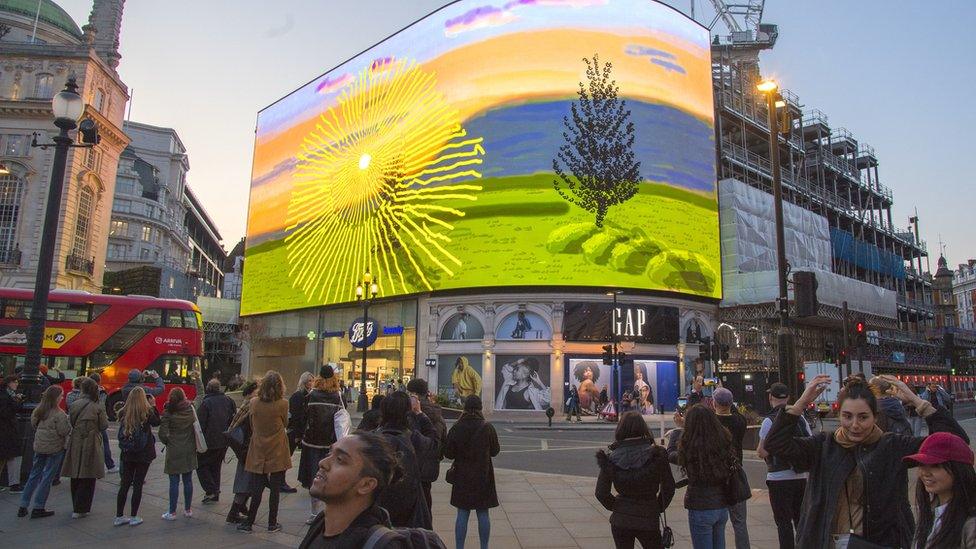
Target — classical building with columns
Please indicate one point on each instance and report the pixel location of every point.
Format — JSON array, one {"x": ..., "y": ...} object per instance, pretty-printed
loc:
[{"x": 40, "y": 48}]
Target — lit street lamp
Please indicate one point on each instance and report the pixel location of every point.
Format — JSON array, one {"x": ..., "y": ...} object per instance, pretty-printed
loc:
[
  {"x": 784, "y": 337},
  {"x": 67, "y": 107},
  {"x": 367, "y": 285}
]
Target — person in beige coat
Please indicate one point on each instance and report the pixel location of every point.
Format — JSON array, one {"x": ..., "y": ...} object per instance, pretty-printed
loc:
[
  {"x": 267, "y": 455},
  {"x": 85, "y": 461},
  {"x": 51, "y": 429}
]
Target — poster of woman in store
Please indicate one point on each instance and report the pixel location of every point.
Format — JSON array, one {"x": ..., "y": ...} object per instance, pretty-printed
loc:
[
  {"x": 465, "y": 379},
  {"x": 523, "y": 384},
  {"x": 642, "y": 388},
  {"x": 587, "y": 373}
]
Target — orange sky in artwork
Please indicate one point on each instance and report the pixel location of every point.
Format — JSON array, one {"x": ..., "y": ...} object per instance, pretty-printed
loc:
[{"x": 512, "y": 69}]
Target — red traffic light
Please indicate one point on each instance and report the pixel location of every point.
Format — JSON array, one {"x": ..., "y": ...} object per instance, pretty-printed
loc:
[{"x": 859, "y": 327}]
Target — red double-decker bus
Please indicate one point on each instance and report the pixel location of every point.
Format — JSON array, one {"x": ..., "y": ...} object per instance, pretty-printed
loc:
[{"x": 109, "y": 334}]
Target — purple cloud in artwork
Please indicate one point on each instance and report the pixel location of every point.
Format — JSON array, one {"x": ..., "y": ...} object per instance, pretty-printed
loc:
[
  {"x": 638, "y": 50},
  {"x": 478, "y": 18},
  {"x": 555, "y": 3},
  {"x": 329, "y": 85},
  {"x": 669, "y": 66},
  {"x": 381, "y": 63}
]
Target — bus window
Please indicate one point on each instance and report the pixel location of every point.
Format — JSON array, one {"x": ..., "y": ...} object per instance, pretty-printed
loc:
[
  {"x": 149, "y": 317},
  {"x": 174, "y": 318},
  {"x": 16, "y": 308},
  {"x": 9, "y": 363},
  {"x": 192, "y": 319},
  {"x": 70, "y": 366},
  {"x": 96, "y": 310},
  {"x": 101, "y": 359},
  {"x": 69, "y": 312},
  {"x": 172, "y": 368}
]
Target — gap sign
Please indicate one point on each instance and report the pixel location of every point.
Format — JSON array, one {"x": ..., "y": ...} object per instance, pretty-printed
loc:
[{"x": 638, "y": 323}]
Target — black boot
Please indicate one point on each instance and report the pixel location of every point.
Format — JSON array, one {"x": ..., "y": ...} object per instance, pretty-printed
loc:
[{"x": 236, "y": 514}]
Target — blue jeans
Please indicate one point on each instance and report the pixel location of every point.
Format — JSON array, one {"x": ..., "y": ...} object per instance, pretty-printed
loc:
[
  {"x": 461, "y": 527},
  {"x": 708, "y": 528},
  {"x": 42, "y": 473},
  {"x": 109, "y": 463},
  {"x": 174, "y": 490}
]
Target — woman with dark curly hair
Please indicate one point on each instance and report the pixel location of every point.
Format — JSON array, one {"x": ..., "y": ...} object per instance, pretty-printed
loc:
[
  {"x": 587, "y": 373},
  {"x": 704, "y": 451}
]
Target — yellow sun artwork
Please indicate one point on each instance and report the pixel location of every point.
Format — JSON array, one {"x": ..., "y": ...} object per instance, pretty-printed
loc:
[{"x": 367, "y": 185}]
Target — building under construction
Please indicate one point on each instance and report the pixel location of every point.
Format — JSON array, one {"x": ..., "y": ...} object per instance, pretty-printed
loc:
[{"x": 838, "y": 224}]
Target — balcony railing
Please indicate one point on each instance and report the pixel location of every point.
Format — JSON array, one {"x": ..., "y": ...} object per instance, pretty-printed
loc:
[
  {"x": 10, "y": 257},
  {"x": 80, "y": 264}
]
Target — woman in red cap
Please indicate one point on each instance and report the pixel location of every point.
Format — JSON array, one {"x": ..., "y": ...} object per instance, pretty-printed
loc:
[{"x": 945, "y": 493}]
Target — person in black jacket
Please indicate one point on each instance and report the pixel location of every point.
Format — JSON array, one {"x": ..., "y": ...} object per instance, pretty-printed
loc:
[
  {"x": 138, "y": 445},
  {"x": 242, "y": 478},
  {"x": 858, "y": 482},
  {"x": 471, "y": 443},
  {"x": 430, "y": 464},
  {"x": 407, "y": 428},
  {"x": 296, "y": 410},
  {"x": 215, "y": 415},
  {"x": 322, "y": 405},
  {"x": 372, "y": 417},
  {"x": 349, "y": 481},
  {"x": 731, "y": 419},
  {"x": 705, "y": 453},
  {"x": 638, "y": 469}
]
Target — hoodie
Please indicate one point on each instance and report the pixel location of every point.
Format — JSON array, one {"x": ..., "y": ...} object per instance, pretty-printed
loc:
[
  {"x": 639, "y": 471},
  {"x": 895, "y": 419}
]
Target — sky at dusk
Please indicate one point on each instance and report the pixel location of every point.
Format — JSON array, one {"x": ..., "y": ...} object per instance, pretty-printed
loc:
[{"x": 896, "y": 74}]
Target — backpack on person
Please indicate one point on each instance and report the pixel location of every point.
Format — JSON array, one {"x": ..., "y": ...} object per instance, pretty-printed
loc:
[
  {"x": 404, "y": 500},
  {"x": 415, "y": 538},
  {"x": 134, "y": 441}
]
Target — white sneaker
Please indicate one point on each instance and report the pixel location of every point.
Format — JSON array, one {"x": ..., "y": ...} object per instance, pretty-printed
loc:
[
  {"x": 188, "y": 513},
  {"x": 78, "y": 515},
  {"x": 119, "y": 521},
  {"x": 135, "y": 521},
  {"x": 169, "y": 516},
  {"x": 113, "y": 469}
]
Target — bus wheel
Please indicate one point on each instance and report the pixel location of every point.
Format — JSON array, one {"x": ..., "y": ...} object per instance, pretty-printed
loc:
[{"x": 112, "y": 405}]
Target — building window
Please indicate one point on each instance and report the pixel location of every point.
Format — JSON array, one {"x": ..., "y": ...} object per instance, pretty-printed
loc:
[
  {"x": 86, "y": 204},
  {"x": 146, "y": 233},
  {"x": 125, "y": 186},
  {"x": 119, "y": 228},
  {"x": 99, "y": 100},
  {"x": 11, "y": 190},
  {"x": 122, "y": 206},
  {"x": 16, "y": 145},
  {"x": 44, "y": 86},
  {"x": 90, "y": 158},
  {"x": 143, "y": 253}
]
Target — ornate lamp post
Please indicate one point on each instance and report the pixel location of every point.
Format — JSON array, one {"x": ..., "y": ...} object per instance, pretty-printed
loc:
[
  {"x": 366, "y": 291},
  {"x": 67, "y": 107}
]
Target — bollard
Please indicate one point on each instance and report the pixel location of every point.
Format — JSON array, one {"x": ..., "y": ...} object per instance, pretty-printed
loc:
[{"x": 549, "y": 413}]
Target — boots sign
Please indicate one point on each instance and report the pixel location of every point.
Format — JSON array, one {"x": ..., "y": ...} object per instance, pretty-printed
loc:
[
  {"x": 363, "y": 334},
  {"x": 638, "y": 323}
]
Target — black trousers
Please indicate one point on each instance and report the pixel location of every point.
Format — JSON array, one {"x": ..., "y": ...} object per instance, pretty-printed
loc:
[
  {"x": 208, "y": 470},
  {"x": 426, "y": 486},
  {"x": 82, "y": 494},
  {"x": 786, "y": 499},
  {"x": 133, "y": 475},
  {"x": 273, "y": 483},
  {"x": 624, "y": 538}
]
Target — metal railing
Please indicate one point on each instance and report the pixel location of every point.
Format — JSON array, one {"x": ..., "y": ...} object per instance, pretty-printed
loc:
[{"x": 80, "y": 264}]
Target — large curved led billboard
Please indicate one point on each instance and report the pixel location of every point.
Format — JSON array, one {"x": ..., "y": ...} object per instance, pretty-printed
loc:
[{"x": 491, "y": 144}]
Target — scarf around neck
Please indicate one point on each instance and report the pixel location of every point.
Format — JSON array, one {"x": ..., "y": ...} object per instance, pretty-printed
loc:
[{"x": 840, "y": 435}]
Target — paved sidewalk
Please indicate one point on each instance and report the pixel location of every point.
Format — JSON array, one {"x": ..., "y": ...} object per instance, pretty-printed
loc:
[{"x": 537, "y": 510}]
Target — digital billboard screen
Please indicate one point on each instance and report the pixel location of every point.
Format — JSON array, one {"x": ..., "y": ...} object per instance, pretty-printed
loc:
[{"x": 493, "y": 144}]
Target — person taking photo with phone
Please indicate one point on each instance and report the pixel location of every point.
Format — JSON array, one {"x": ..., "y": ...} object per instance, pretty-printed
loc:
[{"x": 857, "y": 491}]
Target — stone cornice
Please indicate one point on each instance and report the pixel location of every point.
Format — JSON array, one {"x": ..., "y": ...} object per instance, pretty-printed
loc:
[{"x": 107, "y": 129}]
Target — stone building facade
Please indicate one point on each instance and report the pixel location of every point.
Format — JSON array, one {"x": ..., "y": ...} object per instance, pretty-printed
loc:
[{"x": 34, "y": 66}]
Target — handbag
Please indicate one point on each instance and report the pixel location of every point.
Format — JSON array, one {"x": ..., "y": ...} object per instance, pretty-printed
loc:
[
  {"x": 201, "y": 441},
  {"x": 667, "y": 536},
  {"x": 737, "y": 485},
  {"x": 449, "y": 474},
  {"x": 342, "y": 421}
]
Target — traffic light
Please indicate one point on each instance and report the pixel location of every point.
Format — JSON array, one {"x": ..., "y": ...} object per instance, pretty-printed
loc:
[
  {"x": 805, "y": 293},
  {"x": 860, "y": 333},
  {"x": 705, "y": 349},
  {"x": 621, "y": 357},
  {"x": 608, "y": 354},
  {"x": 724, "y": 352},
  {"x": 829, "y": 354}
]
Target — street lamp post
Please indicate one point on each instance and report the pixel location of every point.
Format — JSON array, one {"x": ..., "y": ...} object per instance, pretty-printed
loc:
[
  {"x": 784, "y": 337},
  {"x": 67, "y": 107},
  {"x": 368, "y": 285},
  {"x": 615, "y": 367}
]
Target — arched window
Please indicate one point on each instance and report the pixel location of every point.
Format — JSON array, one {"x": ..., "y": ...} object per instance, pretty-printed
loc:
[
  {"x": 462, "y": 327},
  {"x": 44, "y": 86},
  {"x": 86, "y": 205},
  {"x": 523, "y": 325},
  {"x": 11, "y": 191}
]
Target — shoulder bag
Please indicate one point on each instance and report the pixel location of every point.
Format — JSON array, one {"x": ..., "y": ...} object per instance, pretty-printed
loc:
[
  {"x": 342, "y": 421},
  {"x": 201, "y": 441},
  {"x": 667, "y": 536}
]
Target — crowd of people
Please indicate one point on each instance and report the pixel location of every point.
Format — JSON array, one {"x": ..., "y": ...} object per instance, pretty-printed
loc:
[{"x": 372, "y": 485}]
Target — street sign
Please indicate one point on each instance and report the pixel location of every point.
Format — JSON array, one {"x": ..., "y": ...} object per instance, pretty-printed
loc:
[{"x": 430, "y": 362}]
